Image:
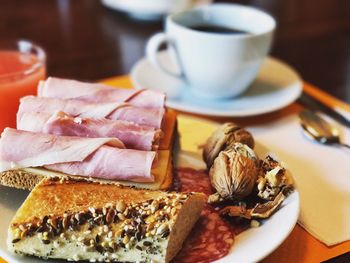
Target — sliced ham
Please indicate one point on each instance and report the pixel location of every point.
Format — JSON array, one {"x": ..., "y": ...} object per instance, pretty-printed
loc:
[
  {"x": 113, "y": 164},
  {"x": 77, "y": 108},
  {"x": 94, "y": 92},
  {"x": 91, "y": 157},
  {"x": 132, "y": 135}
]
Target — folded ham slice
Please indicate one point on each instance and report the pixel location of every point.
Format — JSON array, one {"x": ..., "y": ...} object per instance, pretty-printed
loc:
[
  {"x": 104, "y": 158},
  {"x": 132, "y": 135},
  {"x": 94, "y": 92},
  {"x": 77, "y": 108}
]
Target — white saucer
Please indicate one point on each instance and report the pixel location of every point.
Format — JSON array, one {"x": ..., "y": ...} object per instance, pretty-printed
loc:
[{"x": 276, "y": 86}]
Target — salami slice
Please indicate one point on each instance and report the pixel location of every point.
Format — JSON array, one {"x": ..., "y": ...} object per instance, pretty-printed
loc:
[
  {"x": 194, "y": 181},
  {"x": 211, "y": 239},
  {"x": 212, "y": 236}
]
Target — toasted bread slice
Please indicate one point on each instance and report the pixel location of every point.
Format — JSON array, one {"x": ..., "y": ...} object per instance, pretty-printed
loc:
[
  {"x": 27, "y": 178},
  {"x": 79, "y": 220}
]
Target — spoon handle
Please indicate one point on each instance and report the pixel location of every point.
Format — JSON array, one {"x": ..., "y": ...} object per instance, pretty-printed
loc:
[{"x": 344, "y": 145}]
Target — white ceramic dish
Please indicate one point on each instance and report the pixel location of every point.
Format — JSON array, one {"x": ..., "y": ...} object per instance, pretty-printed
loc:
[
  {"x": 152, "y": 9},
  {"x": 256, "y": 243},
  {"x": 276, "y": 86},
  {"x": 250, "y": 246}
]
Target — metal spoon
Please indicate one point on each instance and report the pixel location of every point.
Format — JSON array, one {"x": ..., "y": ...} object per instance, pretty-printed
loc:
[{"x": 319, "y": 129}]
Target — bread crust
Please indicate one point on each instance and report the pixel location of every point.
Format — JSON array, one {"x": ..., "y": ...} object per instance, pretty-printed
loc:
[
  {"x": 164, "y": 219},
  {"x": 20, "y": 179}
]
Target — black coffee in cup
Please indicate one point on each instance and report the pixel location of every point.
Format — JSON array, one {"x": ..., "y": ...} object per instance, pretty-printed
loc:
[{"x": 218, "y": 29}]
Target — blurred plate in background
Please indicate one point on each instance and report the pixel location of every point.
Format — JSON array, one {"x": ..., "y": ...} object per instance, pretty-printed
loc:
[{"x": 152, "y": 9}]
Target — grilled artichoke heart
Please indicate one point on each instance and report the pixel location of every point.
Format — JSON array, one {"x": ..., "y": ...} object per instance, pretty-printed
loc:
[
  {"x": 234, "y": 173},
  {"x": 223, "y": 138}
]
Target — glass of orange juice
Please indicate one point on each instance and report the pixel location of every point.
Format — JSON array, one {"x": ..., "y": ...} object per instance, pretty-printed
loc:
[{"x": 22, "y": 65}]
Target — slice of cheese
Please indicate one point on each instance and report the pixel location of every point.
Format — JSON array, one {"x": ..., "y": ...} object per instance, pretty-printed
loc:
[{"x": 169, "y": 130}]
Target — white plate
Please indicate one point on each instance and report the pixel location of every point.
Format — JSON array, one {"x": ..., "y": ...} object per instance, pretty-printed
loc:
[
  {"x": 276, "y": 86},
  {"x": 250, "y": 246},
  {"x": 152, "y": 9},
  {"x": 256, "y": 243}
]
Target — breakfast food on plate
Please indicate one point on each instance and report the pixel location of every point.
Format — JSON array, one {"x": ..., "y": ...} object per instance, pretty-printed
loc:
[
  {"x": 234, "y": 172},
  {"x": 213, "y": 236},
  {"x": 223, "y": 138},
  {"x": 134, "y": 136},
  {"x": 96, "y": 158},
  {"x": 79, "y": 220},
  {"x": 76, "y": 153},
  {"x": 152, "y": 117},
  {"x": 95, "y": 92},
  {"x": 246, "y": 186},
  {"x": 89, "y": 158},
  {"x": 136, "y": 128}
]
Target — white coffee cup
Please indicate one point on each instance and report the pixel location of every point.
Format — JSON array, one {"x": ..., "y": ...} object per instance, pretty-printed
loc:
[{"x": 215, "y": 65}]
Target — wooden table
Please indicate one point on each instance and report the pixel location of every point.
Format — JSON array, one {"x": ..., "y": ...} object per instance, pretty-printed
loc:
[{"x": 86, "y": 41}]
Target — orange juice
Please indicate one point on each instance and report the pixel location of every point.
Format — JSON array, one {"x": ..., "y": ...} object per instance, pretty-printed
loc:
[{"x": 19, "y": 76}]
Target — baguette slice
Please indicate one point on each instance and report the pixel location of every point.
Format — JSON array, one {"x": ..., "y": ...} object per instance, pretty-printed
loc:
[{"x": 79, "y": 220}]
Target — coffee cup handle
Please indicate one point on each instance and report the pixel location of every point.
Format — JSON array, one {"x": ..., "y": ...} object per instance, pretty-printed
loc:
[{"x": 152, "y": 48}]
